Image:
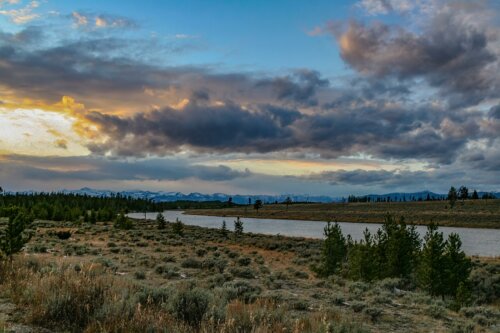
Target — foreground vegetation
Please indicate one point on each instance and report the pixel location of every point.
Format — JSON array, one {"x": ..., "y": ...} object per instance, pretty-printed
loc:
[
  {"x": 147, "y": 276},
  {"x": 466, "y": 213}
]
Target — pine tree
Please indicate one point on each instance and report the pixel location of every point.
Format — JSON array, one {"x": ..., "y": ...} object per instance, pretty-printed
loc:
[
  {"x": 238, "y": 227},
  {"x": 334, "y": 250},
  {"x": 452, "y": 196},
  {"x": 123, "y": 222},
  {"x": 257, "y": 205},
  {"x": 457, "y": 266},
  {"x": 93, "y": 217},
  {"x": 361, "y": 259},
  {"x": 463, "y": 192},
  {"x": 160, "y": 221},
  {"x": 178, "y": 227},
  {"x": 224, "y": 229},
  {"x": 432, "y": 262},
  {"x": 14, "y": 236},
  {"x": 475, "y": 196},
  {"x": 401, "y": 246},
  {"x": 463, "y": 296}
]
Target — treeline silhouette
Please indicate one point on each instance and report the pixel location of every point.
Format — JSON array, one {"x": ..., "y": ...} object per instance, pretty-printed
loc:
[
  {"x": 73, "y": 207},
  {"x": 462, "y": 193}
]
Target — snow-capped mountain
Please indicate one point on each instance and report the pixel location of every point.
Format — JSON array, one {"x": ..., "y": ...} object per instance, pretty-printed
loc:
[{"x": 162, "y": 196}]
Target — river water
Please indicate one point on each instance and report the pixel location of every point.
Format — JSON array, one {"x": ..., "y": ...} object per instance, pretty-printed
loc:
[{"x": 475, "y": 241}]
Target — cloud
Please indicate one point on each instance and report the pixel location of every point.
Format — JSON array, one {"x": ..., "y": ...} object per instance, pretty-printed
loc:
[
  {"x": 21, "y": 15},
  {"x": 102, "y": 169},
  {"x": 406, "y": 180},
  {"x": 144, "y": 108},
  {"x": 494, "y": 112},
  {"x": 385, "y": 131},
  {"x": 377, "y": 7},
  {"x": 101, "y": 21},
  {"x": 456, "y": 57},
  {"x": 300, "y": 87},
  {"x": 217, "y": 128}
]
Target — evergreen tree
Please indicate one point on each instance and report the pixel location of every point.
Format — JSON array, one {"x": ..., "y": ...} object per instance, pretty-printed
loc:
[
  {"x": 401, "y": 246},
  {"x": 224, "y": 229},
  {"x": 238, "y": 227},
  {"x": 161, "y": 223},
  {"x": 178, "y": 227},
  {"x": 123, "y": 222},
  {"x": 334, "y": 250},
  {"x": 14, "y": 236},
  {"x": 452, "y": 196},
  {"x": 457, "y": 266},
  {"x": 257, "y": 205},
  {"x": 475, "y": 196},
  {"x": 288, "y": 202},
  {"x": 93, "y": 217},
  {"x": 432, "y": 262},
  {"x": 463, "y": 296},
  {"x": 361, "y": 259},
  {"x": 463, "y": 193}
]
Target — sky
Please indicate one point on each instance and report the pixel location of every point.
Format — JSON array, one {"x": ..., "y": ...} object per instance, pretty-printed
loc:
[{"x": 250, "y": 97}]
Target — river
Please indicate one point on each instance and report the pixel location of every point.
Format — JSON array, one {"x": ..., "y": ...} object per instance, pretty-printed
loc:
[{"x": 475, "y": 241}]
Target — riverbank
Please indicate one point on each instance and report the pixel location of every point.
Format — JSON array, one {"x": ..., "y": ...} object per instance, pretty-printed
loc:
[{"x": 469, "y": 213}]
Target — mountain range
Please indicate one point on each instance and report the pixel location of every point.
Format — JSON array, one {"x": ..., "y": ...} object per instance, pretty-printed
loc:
[{"x": 161, "y": 196}]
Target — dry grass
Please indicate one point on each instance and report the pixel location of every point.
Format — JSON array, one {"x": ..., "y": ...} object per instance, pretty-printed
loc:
[
  {"x": 135, "y": 281},
  {"x": 471, "y": 213}
]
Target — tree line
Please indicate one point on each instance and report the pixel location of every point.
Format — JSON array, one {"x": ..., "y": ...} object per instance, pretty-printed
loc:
[
  {"x": 454, "y": 194},
  {"x": 396, "y": 250},
  {"x": 74, "y": 207}
]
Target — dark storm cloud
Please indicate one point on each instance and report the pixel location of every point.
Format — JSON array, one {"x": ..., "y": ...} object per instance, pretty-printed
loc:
[
  {"x": 425, "y": 132},
  {"x": 91, "y": 168},
  {"x": 299, "y": 88},
  {"x": 449, "y": 54},
  {"x": 226, "y": 128},
  {"x": 494, "y": 112}
]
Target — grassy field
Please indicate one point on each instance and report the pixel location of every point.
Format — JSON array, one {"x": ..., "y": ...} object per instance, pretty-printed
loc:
[
  {"x": 470, "y": 213},
  {"x": 96, "y": 278}
]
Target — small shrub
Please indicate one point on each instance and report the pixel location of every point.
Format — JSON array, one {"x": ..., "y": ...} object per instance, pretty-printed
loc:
[
  {"x": 169, "y": 258},
  {"x": 123, "y": 222},
  {"x": 63, "y": 235},
  {"x": 301, "y": 275},
  {"x": 140, "y": 275},
  {"x": 245, "y": 273},
  {"x": 191, "y": 263},
  {"x": 191, "y": 306},
  {"x": 201, "y": 252},
  {"x": 374, "y": 313},
  {"x": 244, "y": 261}
]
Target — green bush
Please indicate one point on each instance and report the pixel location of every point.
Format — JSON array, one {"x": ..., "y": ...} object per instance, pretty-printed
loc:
[
  {"x": 244, "y": 261},
  {"x": 191, "y": 263},
  {"x": 191, "y": 306}
]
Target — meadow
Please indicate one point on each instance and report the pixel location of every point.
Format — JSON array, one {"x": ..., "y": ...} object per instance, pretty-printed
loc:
[
  {"x": 467, "y": 213},
  {"x": 83, "y": 277}
]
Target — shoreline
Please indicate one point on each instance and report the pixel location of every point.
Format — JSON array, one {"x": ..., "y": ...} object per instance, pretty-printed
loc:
[{"x": 204, "y": 212}]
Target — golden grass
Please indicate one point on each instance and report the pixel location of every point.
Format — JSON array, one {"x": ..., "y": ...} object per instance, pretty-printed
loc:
[{"x": 470, "y": 213}]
